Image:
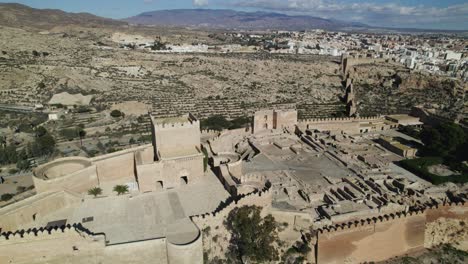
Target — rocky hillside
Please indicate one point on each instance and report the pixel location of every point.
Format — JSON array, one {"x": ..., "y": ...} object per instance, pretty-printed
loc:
[
  {"x": 17, "y": 15},
  {"x": 235, "y": 19}
]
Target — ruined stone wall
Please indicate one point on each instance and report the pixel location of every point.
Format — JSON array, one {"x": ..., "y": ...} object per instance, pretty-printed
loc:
[{"x": 347, "y": 63}]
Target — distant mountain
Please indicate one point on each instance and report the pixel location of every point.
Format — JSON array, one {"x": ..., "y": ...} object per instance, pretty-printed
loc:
[
  {"x": 17, "y": 15},
  {"x": 236, "y": 20}
]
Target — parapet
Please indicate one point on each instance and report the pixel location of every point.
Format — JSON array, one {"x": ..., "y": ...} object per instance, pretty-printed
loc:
[
  {"x": 341, "y": 119},
  {"x": 184, "y": 121},
  {"x": 49, "y": 233},
  {"x": 371, "y": 221},
  {"x": 61, "y": 167}
]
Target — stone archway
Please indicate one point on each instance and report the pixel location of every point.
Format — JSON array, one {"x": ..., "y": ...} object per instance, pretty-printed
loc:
[{"x": 184, "y": 176}]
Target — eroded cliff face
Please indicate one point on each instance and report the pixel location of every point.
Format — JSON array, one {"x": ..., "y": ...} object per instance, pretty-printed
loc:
[
  {"x": 389, "y": 88},
  {"x": 447, "y": 231}
]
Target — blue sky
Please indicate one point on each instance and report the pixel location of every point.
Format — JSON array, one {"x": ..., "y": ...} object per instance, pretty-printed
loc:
[{"x": 437, "y": 14}]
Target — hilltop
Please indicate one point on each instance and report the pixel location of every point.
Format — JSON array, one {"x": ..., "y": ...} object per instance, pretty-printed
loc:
[{"x": 17, "y": 15}]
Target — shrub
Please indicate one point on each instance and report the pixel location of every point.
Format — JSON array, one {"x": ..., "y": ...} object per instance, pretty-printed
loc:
[
  {"x": 6, "y": 197},
  {"x": 121, "y": 189},
  {"x": 95, "y": 191},
  {"x": 116, "y": 113}
]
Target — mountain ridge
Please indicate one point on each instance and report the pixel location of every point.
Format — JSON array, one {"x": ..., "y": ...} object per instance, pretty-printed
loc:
[
  {"x": 232, "y": 19},
  {"x": 18, "y": 15}
]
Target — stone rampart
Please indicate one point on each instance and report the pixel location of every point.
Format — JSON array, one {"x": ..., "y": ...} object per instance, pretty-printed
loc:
[
  {"x": 48, "y": 243},
  {"x": 381, "y": 237},
  {"x": 340, "y": 119},
  {"x": 260, "y": 198},
  {"x": 24, "y": 212}
]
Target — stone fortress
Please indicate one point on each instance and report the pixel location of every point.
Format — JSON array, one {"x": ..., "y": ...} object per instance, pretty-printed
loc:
[{"x": 330, "y": 179}]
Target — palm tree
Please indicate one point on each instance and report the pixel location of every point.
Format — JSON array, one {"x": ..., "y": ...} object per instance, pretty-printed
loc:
[
  {"x": 121, "y": 189},
  {"x": 95, "y": 191}
]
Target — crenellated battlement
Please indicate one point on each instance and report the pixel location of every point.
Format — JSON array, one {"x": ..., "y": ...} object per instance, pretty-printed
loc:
[
  {"x": 258, "y": 197},
  {"x": 184, "y": 121},
  {"x": 371, "y": 221},
  {"x": 341, "y": 119},
  {"x": 42, "y": 233}
]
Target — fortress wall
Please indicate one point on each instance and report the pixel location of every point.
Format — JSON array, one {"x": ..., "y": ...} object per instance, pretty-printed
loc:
[
  {"x": 182, "y": 254},
  {"x": 17, "y": 215},
  {"x": 263, "y": 120},
  {"x": 236, "y": 168},
  {"x": 285, "y": 119},
  {"x": 48, "y": 245},
  {"x": 149, "y": 251},
  {"x": 148, "y": 175},
  {"x": 80, "y": 181},
  {"x": 191, "y": 167},
  {"x": 374, "y": 241},
  {"x": 295, "y": 219},
  {"x": 144, "y": 156},
  {"x": 348, "y": 62},
  {"x": 172, "y": 137},
  {"x": 262, "y": 199},
  {"x": 120, "y": 166},
  {"x": 447, "y": 211}
]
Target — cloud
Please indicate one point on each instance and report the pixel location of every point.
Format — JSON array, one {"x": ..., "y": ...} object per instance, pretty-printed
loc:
[
  {"x": 200, "y": 2},
  {"x": 379, "y": 14}
]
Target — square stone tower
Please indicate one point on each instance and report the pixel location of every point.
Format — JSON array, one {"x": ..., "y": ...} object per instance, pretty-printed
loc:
[
  {"x": 177, "y": 153},
  {"x": 274, "y": 119},
  {"x": 175, "y": 136}
]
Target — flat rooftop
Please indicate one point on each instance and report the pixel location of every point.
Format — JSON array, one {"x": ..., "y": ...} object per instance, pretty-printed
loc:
[
  {"x": 145, "y": 216},
  {"x": 171, "y": 120}
]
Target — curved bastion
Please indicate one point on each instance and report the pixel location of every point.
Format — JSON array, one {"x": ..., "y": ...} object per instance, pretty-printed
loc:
[
  {"x": 75, "y": 174},
  {"x": 184, "y": 242}
]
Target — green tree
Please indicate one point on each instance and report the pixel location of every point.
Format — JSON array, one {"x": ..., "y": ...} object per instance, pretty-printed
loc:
[
  {"x": 253, "y": 237},
  {"x": 81, "y": 134},
  {"x": 95, "y": 191},
  {"x": 116, "y": 113},
  {"x": 121, "y": 189},
  {"x": 40, "y": 131},
  {"x": 443, "y": 139},
  {"x": 23, "y": 164}
]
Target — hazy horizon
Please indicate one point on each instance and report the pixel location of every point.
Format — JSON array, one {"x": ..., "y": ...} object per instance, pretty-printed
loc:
[{"x": 421, "y": 14}]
